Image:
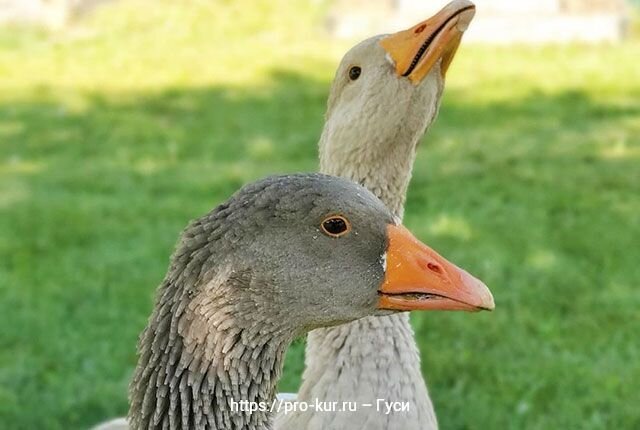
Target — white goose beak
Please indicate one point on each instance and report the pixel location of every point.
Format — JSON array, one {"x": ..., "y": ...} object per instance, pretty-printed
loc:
[{"x": 416, "y": 50}]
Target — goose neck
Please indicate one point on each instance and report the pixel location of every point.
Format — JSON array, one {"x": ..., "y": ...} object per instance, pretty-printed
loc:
[{"x": 206, "y": 362}]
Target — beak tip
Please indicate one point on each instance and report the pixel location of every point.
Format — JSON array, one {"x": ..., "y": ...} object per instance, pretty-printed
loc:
[
  {"x": 486, "y": 298},
  {"x": 479, "y": 294},
  {"x": 466, "y": 16},
  {"x": 489, "y": 306},
  {"x": 460, "y": 4},
  {"x": 487, "y": 303}
]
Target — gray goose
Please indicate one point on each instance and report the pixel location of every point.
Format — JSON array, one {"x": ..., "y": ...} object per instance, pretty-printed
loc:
[
  {"x": 283, "y": 256},
  {"x": 385, "y": 94}
]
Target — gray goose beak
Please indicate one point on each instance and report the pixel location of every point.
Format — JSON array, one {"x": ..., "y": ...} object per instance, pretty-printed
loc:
[{"x": 418, "y": 278}]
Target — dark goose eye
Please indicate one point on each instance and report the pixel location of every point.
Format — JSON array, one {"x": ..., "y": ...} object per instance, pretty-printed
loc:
[
  {"x": 335, "y": 226},
  {"x": 354, "y": 73}
]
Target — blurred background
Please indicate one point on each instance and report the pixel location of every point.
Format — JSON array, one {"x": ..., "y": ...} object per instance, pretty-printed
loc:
[{"x": 122, "y": 120}]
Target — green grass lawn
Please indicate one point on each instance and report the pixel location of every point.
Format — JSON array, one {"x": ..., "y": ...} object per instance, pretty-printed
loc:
[{"x": 115, "y": 134}]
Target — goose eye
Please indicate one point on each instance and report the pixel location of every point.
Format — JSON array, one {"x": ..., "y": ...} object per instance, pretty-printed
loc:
[
  {"x": 354, "y": 73},
  {"x": 335, "y": 226}
]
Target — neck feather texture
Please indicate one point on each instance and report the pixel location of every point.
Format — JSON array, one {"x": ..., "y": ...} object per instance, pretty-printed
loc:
[{"x": 198, "y": 352}]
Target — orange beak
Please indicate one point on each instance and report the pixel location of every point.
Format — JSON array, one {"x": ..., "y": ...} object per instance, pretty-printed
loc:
[
  {"x": 418, "y": 278},
  {"x": 415, "y": 51}
]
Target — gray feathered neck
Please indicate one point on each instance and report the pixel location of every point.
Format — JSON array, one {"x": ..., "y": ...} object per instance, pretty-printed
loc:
[{"x": 198, "y": 353}]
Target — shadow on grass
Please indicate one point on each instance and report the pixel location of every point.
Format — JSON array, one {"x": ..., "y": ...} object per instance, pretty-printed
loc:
[{"x": 95, "y": 188}]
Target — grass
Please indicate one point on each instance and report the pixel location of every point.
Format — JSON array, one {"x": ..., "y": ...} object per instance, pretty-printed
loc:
[{"x": 116, "y": 133}]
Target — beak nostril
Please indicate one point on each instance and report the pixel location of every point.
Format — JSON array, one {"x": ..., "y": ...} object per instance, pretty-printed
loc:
[
  {"x": 434, "y": 267},
  {"x": 420, "y": 29}
]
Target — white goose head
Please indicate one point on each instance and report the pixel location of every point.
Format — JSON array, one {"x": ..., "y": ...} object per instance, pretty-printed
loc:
[{"x": 385, "y": 94}]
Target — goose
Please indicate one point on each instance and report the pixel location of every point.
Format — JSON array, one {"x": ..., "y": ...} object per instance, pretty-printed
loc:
[
  {"x": 283, "y": 256},
  {"x": 385, "y": 94}
]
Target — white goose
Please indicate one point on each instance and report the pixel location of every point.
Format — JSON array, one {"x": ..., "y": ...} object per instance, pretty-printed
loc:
[{"x": 385, "y": 94}]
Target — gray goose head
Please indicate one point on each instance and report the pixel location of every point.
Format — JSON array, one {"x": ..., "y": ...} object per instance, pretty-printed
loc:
[{"x": 282, "y": 256}]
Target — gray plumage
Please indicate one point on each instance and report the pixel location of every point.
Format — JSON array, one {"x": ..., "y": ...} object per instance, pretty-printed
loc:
[{"x": 245, "y": 280}]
